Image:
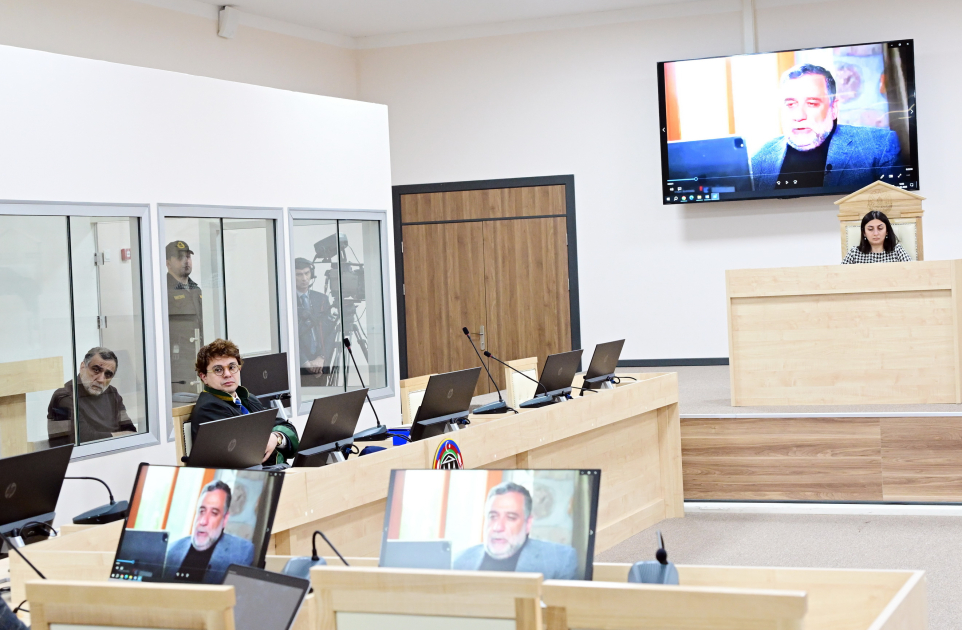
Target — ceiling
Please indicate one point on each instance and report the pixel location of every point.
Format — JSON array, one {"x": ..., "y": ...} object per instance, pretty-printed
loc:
[{"x": 373, "y": 19}]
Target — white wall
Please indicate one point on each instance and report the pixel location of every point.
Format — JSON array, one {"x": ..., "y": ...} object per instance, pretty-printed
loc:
[
  {"x": 584, "y": 101},
  {"x": 89, "y": 131},
  {"x": 138, "y": 34}
]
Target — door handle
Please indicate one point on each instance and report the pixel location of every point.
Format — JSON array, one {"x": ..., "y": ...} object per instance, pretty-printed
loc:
[{"x": 482, "y": 339}]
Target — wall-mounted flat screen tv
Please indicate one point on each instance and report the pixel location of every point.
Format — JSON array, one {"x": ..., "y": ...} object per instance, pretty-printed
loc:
[{"x": 818, "y": 121}]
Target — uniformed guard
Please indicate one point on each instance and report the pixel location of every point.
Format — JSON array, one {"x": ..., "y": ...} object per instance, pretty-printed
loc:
[{"x": 185, "y": 313}]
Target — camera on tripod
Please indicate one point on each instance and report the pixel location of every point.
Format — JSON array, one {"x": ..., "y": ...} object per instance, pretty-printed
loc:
[{"x": 346, "y": 280}]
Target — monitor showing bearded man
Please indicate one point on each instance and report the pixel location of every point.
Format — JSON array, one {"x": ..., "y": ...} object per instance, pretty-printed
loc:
[
  {"x": 191, "y": 524},
  {"x": 528, "y": 521}
]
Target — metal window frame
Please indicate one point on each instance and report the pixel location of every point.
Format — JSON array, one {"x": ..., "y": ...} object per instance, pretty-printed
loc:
[
  {"x": 347, "y": 215},
  {"x": 283, "y": 282},
  {"x": 142, "y": 212}
]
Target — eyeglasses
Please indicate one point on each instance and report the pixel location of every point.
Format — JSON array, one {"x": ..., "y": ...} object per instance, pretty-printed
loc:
[
  {"x": 97, "y": 370},
  {"x": 219, "y": 370}
]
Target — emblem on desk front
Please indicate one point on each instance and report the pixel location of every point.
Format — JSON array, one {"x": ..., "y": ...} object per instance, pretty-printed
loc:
[
  {"x": 12, "y": 489},
  {"x": 232, "y": 446},
  {"x": 448, "y": 456}
]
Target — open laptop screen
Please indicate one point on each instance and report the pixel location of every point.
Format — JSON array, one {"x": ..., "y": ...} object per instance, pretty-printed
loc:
[
  {"x": 190, "y": 524},
  {"x": 539, "y": 521}
]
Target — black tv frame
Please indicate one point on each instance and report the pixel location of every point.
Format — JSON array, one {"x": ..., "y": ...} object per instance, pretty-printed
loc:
[{"x": 794, "y": 194}]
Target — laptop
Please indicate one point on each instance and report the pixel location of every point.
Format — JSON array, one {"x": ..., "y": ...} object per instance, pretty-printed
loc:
[
  {"x": 266, "y": 375},
  {"x": 556, "y": 377},
  {"x": 604, "y": 361},
  {"x": 416, "y": 554},
  {"x": 265, "y": 600},
  {"x": 236, "y": 442},
  {"x": 719, "y": 164},
  {"x": 330, "y": 425},
  {"x": 30, "y": 486},
  {"x": 447, "y": 398},
  {"x": 143, "y": 552}
]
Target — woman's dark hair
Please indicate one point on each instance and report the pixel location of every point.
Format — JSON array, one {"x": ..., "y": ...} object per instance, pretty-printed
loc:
[{"x": 890, "y": 239}]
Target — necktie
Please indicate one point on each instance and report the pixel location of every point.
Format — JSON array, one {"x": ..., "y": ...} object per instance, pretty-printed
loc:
[{"x": 306, "y": 303}]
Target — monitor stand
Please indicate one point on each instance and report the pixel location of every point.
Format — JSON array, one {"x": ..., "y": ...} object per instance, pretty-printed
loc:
[
  {"x": 323, "y": 455},
  {"x": 550, "y": 398}
]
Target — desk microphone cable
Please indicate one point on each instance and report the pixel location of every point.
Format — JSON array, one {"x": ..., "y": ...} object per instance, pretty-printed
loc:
[{"x": 315, "y": 557}]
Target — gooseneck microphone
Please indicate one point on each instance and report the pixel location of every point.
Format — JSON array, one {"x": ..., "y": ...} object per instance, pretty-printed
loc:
[
  {"x": 538, "y": 383},
  {"x": 113, "y": 511},
  {"x": 374, "y": 434},
  {"x": 496, "y": 407}
]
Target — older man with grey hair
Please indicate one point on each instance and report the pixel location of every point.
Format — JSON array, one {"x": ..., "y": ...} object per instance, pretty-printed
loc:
[
  {"x": 507, "y": 543},
  {"x": 815, "y": 150},
  {"x": 100, "y": 407}
]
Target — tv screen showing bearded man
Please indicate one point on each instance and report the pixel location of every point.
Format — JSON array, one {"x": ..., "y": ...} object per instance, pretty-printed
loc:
[
  {"x": 191, "y": 524},
  {"x": 816, "y": 121},
  {"x": 528, "y": 521}
]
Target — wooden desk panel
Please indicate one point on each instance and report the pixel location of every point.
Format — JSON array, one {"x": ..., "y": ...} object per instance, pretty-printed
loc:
[
  {"x": 845, "y": 334},
  {"x": 631, "y": 433}
]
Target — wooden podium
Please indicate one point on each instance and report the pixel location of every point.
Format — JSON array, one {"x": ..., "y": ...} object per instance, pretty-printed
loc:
[
  {"x": 17, "y": 379},
  {"x": 846, "y": 334}
]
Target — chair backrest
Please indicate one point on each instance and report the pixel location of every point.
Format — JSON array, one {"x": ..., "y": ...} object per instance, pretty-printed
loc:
[
  {"x": 610, "y": 606},
  {"x": 907, "y": 231},
  {"x": 130, "y": 605},
  {"x": 412, "y": 395},
  {"x": 521, "y": 389},
  {"x": 357, "y": 598},
  {"x": 181, "y": 417}
]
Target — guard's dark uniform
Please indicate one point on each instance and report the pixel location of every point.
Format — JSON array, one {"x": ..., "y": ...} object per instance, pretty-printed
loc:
[{"x": 185, "y": 313}]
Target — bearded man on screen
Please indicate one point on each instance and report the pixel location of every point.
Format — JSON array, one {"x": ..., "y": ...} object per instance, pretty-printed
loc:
[
  {"x": 203, "y": 557},
  {"x": 507, "y": 544},
  {"x": 816, "y": 151}
]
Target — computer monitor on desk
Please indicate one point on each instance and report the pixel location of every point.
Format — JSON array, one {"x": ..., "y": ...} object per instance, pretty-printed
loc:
[
  {"x": 447, "y": 400},
  {"x": 330, "y": 427},
  {"x": 556, "y": 376},
  {"x": 603, "y": 364},
  {"x": 266, "y": 377},
  {"x": 235, "y": 442},
  {"x": 30, "y": 486},
  {"x": 192, "y": 524}
]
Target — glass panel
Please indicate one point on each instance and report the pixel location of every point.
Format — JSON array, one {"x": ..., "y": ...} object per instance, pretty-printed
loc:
[
  {"x": 362, "y": 302},
  {"x": 196, "y": 310},
  {"x": 108, "y": 328},
  {"x": 251, "y": 285},
  {"x": 35, "y": 293},
  {"x": 319, "y": 351}
]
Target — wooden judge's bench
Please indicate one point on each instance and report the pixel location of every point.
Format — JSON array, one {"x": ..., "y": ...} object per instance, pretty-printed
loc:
[{"x": 850, "y": 334}]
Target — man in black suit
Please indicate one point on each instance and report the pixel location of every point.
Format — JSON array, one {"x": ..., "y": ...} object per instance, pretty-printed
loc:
[{"x": 315, "y": 325}]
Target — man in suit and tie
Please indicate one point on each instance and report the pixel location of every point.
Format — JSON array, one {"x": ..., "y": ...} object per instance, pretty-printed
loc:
[
  {"x": 314, "y": 322},
  {"x": 203, "y": 557},
  {"x": 815, "y": 150},
  {"x": 507, "y": 545}
]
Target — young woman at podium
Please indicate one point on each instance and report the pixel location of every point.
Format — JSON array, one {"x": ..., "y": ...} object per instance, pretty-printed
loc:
[{"x": 878, "y": 244}]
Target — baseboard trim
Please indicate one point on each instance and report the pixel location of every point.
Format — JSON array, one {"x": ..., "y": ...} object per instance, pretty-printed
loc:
[
  {"x": 670, "y": 362},
  {"x": 873, "y": 509}
]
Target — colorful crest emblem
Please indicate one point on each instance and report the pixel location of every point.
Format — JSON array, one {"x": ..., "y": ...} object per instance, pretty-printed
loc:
[{"x": 448, "y": 456}]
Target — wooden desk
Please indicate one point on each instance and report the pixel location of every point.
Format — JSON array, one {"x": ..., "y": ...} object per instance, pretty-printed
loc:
[
  {"x": 846, "y": 334},
  {"x": 631, "y": 433}
]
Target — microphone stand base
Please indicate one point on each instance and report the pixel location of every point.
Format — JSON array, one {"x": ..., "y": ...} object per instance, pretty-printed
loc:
[
  {"x": 374, "y": 434},
  {"x": 103, "y": 514},
  {"x": 541, "y": 401},
  {"x": 498, "y": 406}
]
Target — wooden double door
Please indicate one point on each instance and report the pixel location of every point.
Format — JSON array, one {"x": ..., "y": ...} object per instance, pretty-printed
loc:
[{"x": 495, "y": 260}]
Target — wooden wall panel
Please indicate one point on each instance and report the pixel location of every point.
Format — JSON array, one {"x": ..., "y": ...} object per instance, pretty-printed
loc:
[
  {"x": 526, "y": 287},
  {"x": 444, "y": 291},
  {"x": 922, "y": 459},
  {"x": 495, "y": 203},
  {"x": 834, "y": 459}
]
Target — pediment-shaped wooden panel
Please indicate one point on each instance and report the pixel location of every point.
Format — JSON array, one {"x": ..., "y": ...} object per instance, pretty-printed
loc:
[{"x": 891, "y": 200}]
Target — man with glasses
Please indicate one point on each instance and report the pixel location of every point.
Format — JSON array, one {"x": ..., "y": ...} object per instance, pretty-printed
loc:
[
  {"x": 219, "y": 365},
  {"x": 101, "y": 413}
]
